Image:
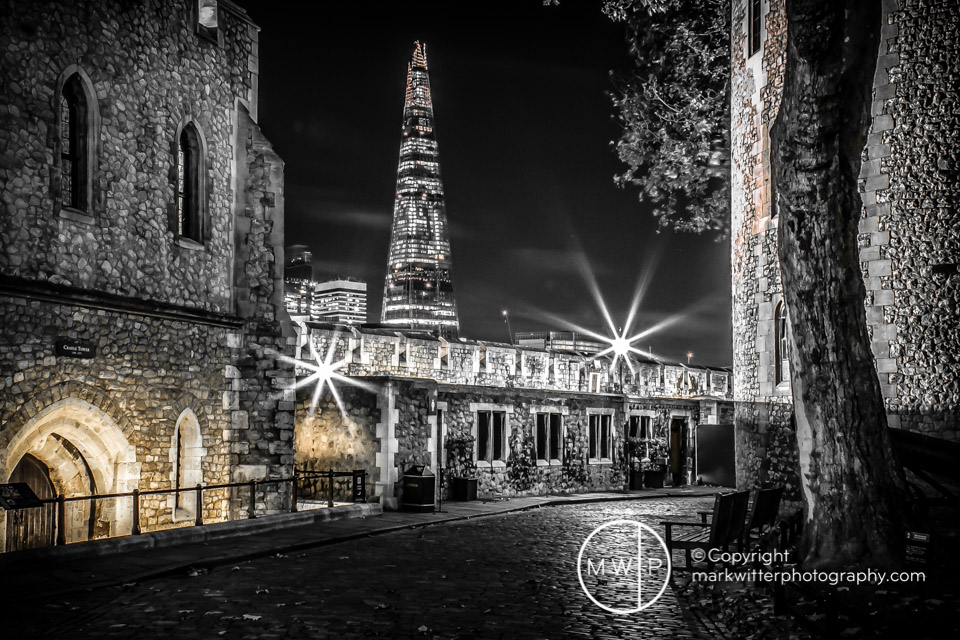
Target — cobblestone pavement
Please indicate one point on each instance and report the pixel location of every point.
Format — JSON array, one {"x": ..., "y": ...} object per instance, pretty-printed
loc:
[{"x": 509, "y": 576}]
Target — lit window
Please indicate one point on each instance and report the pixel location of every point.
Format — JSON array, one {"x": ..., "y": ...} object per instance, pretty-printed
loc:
[
  {"x": 549, "y": 437},
  {"x": 599, "y": 437},
  {"x": 189, "y": 185}
]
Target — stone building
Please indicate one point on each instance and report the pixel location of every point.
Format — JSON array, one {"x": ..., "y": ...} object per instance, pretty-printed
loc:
[
  {"x": 522, "y": 420},
  {"x": 141, "y": 253},
  {"x": 909, "y": 242}
]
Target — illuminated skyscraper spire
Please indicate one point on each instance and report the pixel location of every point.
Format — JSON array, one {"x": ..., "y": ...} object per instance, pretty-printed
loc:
[{"x": 418, "y": 292}]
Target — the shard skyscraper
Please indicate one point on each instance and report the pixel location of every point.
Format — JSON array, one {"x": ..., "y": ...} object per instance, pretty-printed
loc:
[{"x": 418, "y": 292}]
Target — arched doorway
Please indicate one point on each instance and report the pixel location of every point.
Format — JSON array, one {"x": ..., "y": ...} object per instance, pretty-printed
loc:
[
  {"x": 36, "y": 527},
  {"x": 84, "y": 451}
]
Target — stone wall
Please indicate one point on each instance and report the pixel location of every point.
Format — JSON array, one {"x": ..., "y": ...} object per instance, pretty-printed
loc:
[
  {"x": 377, "y": 352},
  {"x": 263, "y": 400},
  {"x": 387, "y": 424},
  {"x": 907, "y": 236},
  {"x": 408, "y": 371},
  {"x": 115, "y": 330},
  {"x": 910, "y": 249},
  {"x": 145, "y": 373},
  {"x": 328, "y": 439},
  {"x": 150, "y": 71},
  {"x": 520, "y": 473}
]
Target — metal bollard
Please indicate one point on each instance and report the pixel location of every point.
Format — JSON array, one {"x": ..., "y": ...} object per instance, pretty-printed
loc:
[
  {"x": 199, "y": 506},
  {"x": 135, "y": 527},
  {"x": 61, "y": 520},
  {"x": 330, "y": 496},
  {"x": 293, "y": 498},
  {"x": 252, "y": 512}
]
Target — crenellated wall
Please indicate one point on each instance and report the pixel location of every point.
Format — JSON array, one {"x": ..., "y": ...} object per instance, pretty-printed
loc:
[
  {"x": 419, "y": 389},
  {"x": 378, "y": 352}
]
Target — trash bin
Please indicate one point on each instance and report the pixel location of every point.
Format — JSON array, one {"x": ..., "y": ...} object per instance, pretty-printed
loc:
[
  {"x": 464, "y": 489},
  {"x": 419, "y": 488}
]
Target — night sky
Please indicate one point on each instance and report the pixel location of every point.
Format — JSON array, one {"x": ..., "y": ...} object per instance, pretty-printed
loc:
[{"x": 524, "y": 130}]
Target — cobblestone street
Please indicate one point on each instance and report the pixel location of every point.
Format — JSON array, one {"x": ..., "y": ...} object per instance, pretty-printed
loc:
[{"x": 508, "y": 576}]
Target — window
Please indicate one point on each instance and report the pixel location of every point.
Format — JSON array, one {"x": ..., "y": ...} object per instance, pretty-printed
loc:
[
  {"x": 781, "y": 341},
  {"x": 491, "y": 436},
  {"x": 549, "y": 437},
  {"x": 189, "y": 185},
  {"x": 640, "y": 427},
  {"x": 753, "y": 26},
  {"x": 178, "y": 466},
  {"x": 595, "y": 380},
  {"x": 599, "y": 436},
  {"x": 73, "y": 145},
  {"x": 207, "y": 19}
]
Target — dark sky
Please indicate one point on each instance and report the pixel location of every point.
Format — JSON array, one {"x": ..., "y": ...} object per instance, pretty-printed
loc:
[{"x": 524, "y": 129}]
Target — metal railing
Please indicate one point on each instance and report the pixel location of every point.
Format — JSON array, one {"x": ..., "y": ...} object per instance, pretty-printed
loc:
[{"x": 357, "y": 483}]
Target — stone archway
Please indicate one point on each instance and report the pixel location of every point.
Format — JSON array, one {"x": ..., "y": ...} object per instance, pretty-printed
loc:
[{"x": 78, "y": 440}]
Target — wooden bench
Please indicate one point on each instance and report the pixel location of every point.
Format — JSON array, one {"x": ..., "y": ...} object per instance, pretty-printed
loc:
[
  {"x": 764, "y": 511},
  {"x": 762, "y": 515},
  {"x": 725, "y": 527}
]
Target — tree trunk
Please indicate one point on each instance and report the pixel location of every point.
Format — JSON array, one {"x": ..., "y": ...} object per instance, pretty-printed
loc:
[{"x": 853, "y": 486}]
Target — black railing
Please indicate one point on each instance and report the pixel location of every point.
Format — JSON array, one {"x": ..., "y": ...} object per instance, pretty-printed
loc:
[{"x": 315, "y": 480}]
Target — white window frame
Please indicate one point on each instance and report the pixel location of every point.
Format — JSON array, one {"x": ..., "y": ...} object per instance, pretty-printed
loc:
[
  {"x": 595, "y": 382},
  {"x": 547, "y": 410},
  {"x": 480, "y": 407},
  {"x": 641, "y": 414},
  {"x": 609, "y": 413}
]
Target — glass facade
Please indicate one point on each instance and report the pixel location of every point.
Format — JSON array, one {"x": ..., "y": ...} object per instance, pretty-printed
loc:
[{"x": 418, "y": 291}]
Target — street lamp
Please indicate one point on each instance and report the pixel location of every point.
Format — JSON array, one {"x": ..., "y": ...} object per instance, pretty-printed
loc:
[
  {"x": 506, "y": 319},
  {"x": 689, "y": 355}
]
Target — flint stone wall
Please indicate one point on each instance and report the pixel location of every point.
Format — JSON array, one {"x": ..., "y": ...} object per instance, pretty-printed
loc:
[{"x": 908, "y": 232}]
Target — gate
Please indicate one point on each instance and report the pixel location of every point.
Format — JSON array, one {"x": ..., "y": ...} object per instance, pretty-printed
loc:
[{"x": 36, "y": 527}]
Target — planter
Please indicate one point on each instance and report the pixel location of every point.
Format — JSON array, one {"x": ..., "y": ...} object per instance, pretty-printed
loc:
[
  {"x": 636, "y": 479},
  {"x": 653, "y": 479},
  {"x": 464, "y": 489}
]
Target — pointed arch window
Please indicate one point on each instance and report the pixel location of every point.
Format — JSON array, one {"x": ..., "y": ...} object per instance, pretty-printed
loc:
[
  {"x": 208, "y": 20},
  {"x": 74, "y": 159},
  {"x": 189, "y": 214},
  {"x": 781, "y": 357}
]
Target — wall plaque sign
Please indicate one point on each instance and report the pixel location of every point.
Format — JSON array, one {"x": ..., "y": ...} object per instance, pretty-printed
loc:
[{"x": 73, "y": 348}]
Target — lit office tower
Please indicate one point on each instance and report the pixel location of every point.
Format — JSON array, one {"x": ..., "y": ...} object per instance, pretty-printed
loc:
[{"x": 418, "y": 292}]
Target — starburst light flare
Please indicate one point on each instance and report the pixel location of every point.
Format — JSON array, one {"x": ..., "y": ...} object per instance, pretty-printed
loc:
[{"x": 324, "y": 373}]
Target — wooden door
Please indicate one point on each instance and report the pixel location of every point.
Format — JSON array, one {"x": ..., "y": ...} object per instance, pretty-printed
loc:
[
  {"x": 678, "y": 449},
  {"x": 36, "y": 527}
]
